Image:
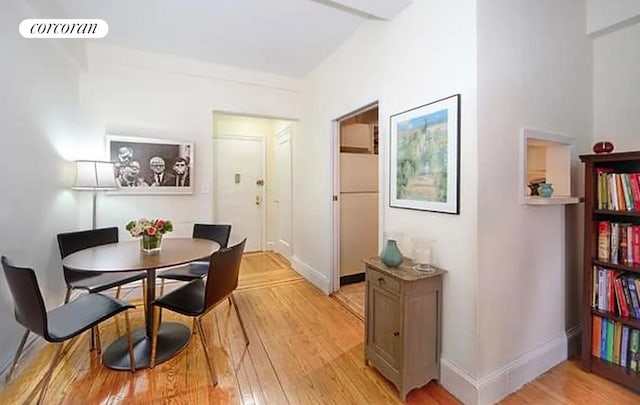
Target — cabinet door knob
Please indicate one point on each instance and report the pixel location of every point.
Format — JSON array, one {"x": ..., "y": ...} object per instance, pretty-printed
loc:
[
  {"x": 380, "y": 280},
  {"x": 396, "y": 333}
]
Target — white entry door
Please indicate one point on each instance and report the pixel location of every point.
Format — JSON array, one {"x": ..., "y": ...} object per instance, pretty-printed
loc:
[
  {"x": 283, "y": 193},
  {"x": 239, "y": 188}
]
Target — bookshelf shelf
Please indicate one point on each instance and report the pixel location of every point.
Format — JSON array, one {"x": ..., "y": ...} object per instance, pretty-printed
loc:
[
  {"x": 614, "y": 372},
  {"x": 623, "y": 267},
  {"x": 608, "y": 182},
  {"x": 633, "y": 322},
  {"x": 631, "y": 214}
]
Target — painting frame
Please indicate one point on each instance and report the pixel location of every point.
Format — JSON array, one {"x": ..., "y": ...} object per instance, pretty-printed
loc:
[
  {"x": 175, "y": 156},
  {"x": 425, "y": 162}
]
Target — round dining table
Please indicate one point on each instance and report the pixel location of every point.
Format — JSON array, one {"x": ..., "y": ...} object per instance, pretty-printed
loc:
[{"x": 127, "y": 256}]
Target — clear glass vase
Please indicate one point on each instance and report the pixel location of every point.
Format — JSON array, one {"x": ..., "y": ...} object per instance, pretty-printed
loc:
[{"x": 151, "y": 244}]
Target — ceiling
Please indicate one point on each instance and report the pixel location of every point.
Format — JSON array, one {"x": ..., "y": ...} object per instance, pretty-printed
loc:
[{"x": 286, "y": 37}]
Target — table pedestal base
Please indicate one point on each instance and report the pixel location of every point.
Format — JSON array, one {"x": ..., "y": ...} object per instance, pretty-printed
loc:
[{"x": 172, "y": 338}]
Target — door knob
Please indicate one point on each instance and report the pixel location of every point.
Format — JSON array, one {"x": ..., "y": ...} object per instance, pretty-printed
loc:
[{"x": 258, "y": 200}]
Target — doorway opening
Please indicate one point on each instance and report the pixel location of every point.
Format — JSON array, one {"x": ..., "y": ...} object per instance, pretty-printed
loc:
[
  {"x": 356, "y": 202},
  {"x": 252, "y": 180}
]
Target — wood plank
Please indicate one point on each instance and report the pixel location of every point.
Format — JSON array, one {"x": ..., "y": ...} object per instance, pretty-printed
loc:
[{"x": 305, "y": 348}]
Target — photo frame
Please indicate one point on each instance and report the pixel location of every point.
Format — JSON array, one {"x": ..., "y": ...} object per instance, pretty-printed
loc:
[
  {"x": 425, "y": 157},
  {"x": 151, "y": 166}
]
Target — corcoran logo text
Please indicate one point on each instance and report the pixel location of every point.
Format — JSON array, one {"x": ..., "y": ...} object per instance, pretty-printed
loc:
[{"x": 64, "y": 28}]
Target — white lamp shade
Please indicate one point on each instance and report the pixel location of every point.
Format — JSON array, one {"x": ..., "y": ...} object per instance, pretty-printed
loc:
[{"x": 94, "y": 175}]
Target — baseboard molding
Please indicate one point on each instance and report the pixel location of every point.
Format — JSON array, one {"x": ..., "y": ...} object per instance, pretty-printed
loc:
[
  {"x": 31, "y": 348},
  {"x": 574, "y": 341},
  {"x": 458, "y": 382},
  {"x": 506, "y": 380},
  {"x": 314, "y": 276}
]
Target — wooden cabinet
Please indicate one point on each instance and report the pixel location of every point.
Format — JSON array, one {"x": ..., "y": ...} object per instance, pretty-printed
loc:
[
  {"x": 403, "y": 318},
  {"x": 608, "y": 309}
]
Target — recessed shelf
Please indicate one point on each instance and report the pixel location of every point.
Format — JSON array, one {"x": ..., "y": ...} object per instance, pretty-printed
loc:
[
  {"x": 553, "y": 200},
  {"x": 546, "y": 158}
]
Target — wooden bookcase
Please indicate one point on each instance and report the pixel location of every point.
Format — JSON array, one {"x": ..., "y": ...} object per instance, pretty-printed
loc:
[{"x": 625, "y": 162}]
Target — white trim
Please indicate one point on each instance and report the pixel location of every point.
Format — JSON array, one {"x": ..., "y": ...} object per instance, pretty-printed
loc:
[
  {"x": 31, "y": 348},
  {"x": 334, "y": 278},
  {"x": 314, "y": 276},
  {"x": 282, "y": 246},
  {"x": 508, "y": 379},
  {"x": 458, "y": 382}
]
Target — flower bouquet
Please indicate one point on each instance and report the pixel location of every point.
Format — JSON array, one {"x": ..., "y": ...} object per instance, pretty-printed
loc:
[{"x": 151, "y": 231}]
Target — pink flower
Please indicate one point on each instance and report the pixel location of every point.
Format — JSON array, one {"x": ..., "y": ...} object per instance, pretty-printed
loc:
[
  {"x": 151, "y": 231},
  {"x": 160, "y": 224}
]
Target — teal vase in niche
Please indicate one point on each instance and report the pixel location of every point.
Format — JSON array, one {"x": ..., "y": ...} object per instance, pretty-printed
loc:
[
  {"x": 390, "y": 255},
  {"x": 545, "y": 190}
]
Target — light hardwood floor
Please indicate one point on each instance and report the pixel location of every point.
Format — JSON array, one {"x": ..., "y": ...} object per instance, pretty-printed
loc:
[
  {"x": 352, "y": 297},
  {"x": 305, "y": 349}
]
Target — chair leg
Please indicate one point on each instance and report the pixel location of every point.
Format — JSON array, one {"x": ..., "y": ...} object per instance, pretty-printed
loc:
[
  {"x": 17, "y": 356},
  {"x": 98, "y": 342},
  {"x": 92, "y": 340},
  {"x": 244, "y": 331},
  {"x": 212, "y": 371},
  {"x": 157, "y": 311},
  {"x": 67, "y": 297},
  {"x": 118, "y": 289},
  {"x": 47, "y": 377},
  {"x": 132, "y": 361}
]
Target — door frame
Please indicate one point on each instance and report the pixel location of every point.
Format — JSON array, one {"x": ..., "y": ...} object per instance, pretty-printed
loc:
[
  {"x": 263, "y": 158},
  {"x": 334, "y": 280},
  {"x": 286, "y": 131}
]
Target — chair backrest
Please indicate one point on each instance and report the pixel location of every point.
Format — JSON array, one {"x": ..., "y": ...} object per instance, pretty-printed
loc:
[
  {"x": 223, "y": 274},
  {"x": 215, "y": 232},
  {"x": 30, "y": 310},
  {"x": 71, "y": 242}
]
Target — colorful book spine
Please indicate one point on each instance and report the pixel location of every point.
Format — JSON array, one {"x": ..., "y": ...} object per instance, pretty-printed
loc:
[
  {"x": 626, "y": 188},
  {"x": 615, "y": 242},
  {"x": 634, "y": 346},
  {"x": 604, "y": 238},
  {"x": 596, "y": 330},
  {"x": 634, "y": 180},
  {"x": 610, "y": 339},
  {"x": 624, "y": 347},
  {"x": 635, "y": 244},
  {"x": 634, "y": 297},
  {"x": 617, "y": 342}
]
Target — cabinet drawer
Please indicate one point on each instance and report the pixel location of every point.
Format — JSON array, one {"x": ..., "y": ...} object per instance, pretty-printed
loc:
[{"x": 383, "y": 281}]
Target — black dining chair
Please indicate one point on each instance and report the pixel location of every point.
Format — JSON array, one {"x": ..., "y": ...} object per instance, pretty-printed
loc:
[
  {"x": 197, "y": 298},
  {"x": 71, "y": 242},
  {"x": 198, "y": 269},
  {"x": 59, "y": 324}
]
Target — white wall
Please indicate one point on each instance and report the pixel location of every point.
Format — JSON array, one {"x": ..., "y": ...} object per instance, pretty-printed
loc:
[
  {"x": 534, "y": 70},
  {"x": 418, "y": 57},
  {"x": 603, "y": 14},
  {"x": 41, "y": 127},
  {"x": 144, "y": 94},
  {"x": 616, "y": 80}
]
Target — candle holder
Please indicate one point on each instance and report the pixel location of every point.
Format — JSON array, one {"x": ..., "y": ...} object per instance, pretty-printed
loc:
[{"x": 423, "y": 254}]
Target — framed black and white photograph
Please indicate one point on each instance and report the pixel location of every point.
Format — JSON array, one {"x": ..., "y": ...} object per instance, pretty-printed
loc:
[
  {"x": 425, "y": 157},
  {"x": 151, "y": 166}
]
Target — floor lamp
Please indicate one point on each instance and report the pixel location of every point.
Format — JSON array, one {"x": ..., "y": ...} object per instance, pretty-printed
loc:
[{"x": 94, "y": 175}]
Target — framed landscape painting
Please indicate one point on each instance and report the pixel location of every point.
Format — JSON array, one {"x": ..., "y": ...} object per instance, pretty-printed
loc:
[
  {"x": 151, "y": 166},
  {"x": 424, "y": 157}
]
